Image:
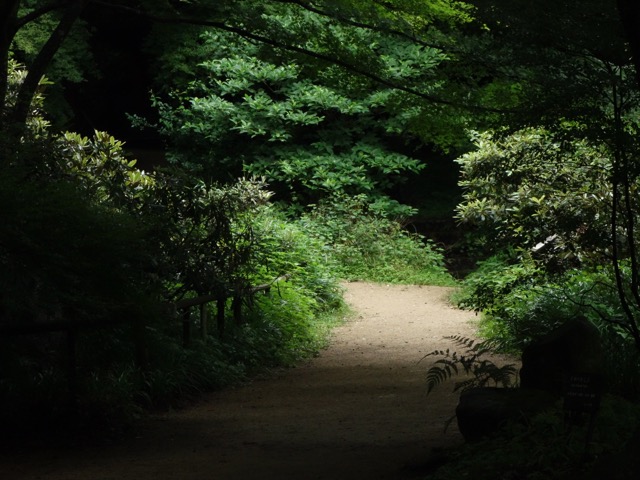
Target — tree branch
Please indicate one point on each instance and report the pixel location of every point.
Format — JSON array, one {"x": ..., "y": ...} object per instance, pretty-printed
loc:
[
  {"x": 8, "y": 16},
  {"x": 304, "y": 51},
  {"x": 31, "y": 16},
  {"x": 629, "y": 11},
  {"x": 39, "y": 66},
  {"x": 307, "y": 6}
]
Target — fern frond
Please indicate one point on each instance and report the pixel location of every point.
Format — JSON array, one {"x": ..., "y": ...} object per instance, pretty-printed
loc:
[
  {"x": 440, "y": 372},
  {"x": 465, "y": 385},
  {"x": 471, "y": 362},
  {"x": 450, "y": 365},
  {"x": 462, "y": 341},
  {"x": 442, "y": 353},
  {"x": 481, "y": 349},
  {"x": 467, "y": 363},
  {"x": 505, "y": 375}
]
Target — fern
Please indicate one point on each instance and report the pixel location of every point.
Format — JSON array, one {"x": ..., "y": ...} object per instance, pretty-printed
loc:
[{"x": 483, "y": 372}]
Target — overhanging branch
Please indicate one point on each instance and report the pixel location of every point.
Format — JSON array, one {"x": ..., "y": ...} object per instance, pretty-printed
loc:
[
  {"x": 35, "y": 14},
  {"x": 304, "y": 51},
  {"x": 347, "y": 21},
  {"x": 39, "y": 66}
]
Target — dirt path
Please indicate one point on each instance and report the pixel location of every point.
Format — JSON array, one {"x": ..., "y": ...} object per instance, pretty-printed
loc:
[{"x": 359, "y": 411}]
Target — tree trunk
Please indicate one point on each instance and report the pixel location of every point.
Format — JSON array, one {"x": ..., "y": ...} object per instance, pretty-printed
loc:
[
  {"x": 8, "y": 17},
  {"x": 38, "y": 67},
  {"x": 630, "y": 16}
]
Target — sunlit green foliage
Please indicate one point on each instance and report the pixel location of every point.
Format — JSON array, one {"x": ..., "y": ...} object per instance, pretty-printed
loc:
[
  {"x": 37, "y": 125},
  {"x": 519, "y": 303},
  {"x": 268, "y": 117},
  {"x": 104, "y": 172},
  {"x": 533, "y": 187},
  {"x": 331, "y": 102},
  {"x": 87, "y": 239},
  {"x": 366, "y": 245}
]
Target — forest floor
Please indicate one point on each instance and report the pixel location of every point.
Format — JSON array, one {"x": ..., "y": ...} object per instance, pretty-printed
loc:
[{"x": 358, "y": 411}]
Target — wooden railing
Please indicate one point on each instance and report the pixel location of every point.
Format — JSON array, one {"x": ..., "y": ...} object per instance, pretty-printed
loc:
[
  {"x": 221, "y": 301},
  {"x": 72, "y": 327}
]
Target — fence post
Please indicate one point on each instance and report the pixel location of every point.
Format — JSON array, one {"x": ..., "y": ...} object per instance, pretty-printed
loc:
[
  {"x": 140, "y": 344},
  {"x": 236, "y": 305},
  {"x": 220, "y": 315},
  {"x": 72, "y": 367},
  {"x": 186, "y": 328},
  {"x": 203, "y": 321}
]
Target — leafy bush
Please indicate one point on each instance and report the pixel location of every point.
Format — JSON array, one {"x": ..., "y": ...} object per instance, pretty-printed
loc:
[
  {"x": 547, "y": 197},
  {"x": 288, "y": 321},
  {"x": 366, "y": 245},
  {"x": 63, "y": 258},
  {"x": 285, "y": 327},
  {"x": 544, "y": 448},
  {"x": 86, "y": 236},
  {"x": 494, "y": 277},
  {"x": 534, "y": 185},
  {"x": 519, "y": 304},
  {"x": 285, "y": 247}
]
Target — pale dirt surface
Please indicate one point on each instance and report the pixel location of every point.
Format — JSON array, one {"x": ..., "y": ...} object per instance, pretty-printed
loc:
[{"x": 358, "y": 411}]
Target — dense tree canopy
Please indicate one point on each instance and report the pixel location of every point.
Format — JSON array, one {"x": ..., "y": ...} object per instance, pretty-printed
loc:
[{"x": 325, "y": 98}]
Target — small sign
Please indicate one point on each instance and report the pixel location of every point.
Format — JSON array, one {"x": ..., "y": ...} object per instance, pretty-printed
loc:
[{"x": 582, "y": 394}]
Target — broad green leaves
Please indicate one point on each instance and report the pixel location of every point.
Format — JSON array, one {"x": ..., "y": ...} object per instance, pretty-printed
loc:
[
  {"x": 532, "y": 186},
  {"x": 309, "y": 129},
  {"x": 103, "y": 171}
]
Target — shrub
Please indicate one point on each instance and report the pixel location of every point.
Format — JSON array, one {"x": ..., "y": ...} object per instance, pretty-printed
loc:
[
  {"x": 519, "y": 304},
  {"x": 367, "y": 245},
  {"x": 544, "y": 448},
  {"x": 85, "y": 236},
  {"x": 63, "y": 257},
  {"x": 290, "y": 321},
  {"x": 534, "y": 185},
  {"x": 484, "y": 289}
]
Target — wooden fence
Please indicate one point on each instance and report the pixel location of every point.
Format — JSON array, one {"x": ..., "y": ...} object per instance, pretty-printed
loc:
[
  {"x": 184, "y": 306},
  {"x": 72, "y": 327}
]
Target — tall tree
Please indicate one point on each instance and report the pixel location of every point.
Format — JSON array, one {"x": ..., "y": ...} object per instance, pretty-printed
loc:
[
  {"x": 69, "y": 14},
  {"x": 314, "y": 128}
]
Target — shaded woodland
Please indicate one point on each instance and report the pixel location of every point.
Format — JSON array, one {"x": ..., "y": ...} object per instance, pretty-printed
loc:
[{"x": 184, "y": 184}]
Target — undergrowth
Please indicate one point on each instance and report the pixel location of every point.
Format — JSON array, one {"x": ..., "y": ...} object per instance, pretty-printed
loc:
[
  {"x": 366, "y": 245},
  {"x": 519, "y": 303},
  {"x": 280, "y": 327},
  {"x": 473, "y": 363},
  {"x": 546, "y": 448}
]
